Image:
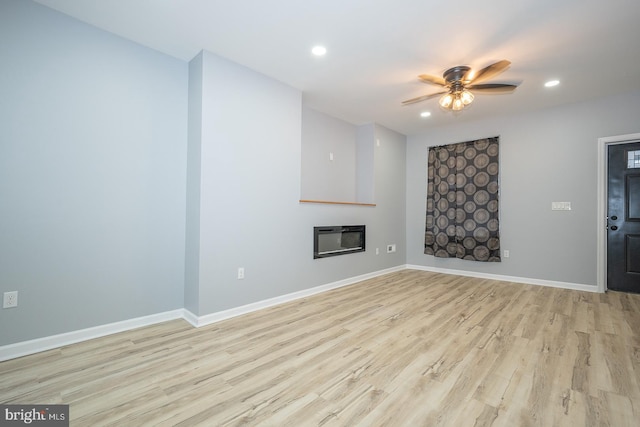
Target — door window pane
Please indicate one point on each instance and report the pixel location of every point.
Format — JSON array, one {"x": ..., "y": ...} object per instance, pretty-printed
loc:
[{"x": 633, "y": 159}]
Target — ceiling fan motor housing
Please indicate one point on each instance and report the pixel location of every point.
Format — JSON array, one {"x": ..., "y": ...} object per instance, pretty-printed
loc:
[{"x": 455, "y": 74}]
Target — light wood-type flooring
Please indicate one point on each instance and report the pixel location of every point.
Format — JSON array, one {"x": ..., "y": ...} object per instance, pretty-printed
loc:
[{"x": 410, "y": 348}]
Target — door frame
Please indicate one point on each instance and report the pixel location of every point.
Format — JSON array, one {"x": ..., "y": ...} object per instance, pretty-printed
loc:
[{"x": 603, "y": 169}]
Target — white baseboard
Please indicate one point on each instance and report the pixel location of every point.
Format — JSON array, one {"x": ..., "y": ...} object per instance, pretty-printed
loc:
[
  {"x": 238, "y": 311},
  {"x": 190, "y": 317},
  {"x": 524, "y": 280},
  {"x": 24, "y": 348}
]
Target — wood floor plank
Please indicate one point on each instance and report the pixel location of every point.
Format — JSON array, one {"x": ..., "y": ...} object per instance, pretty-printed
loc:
[{"x": 409, "y": 348}]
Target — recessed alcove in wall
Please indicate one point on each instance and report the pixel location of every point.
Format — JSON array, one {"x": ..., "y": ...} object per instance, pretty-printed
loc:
[{"x": 337, "y": 160}]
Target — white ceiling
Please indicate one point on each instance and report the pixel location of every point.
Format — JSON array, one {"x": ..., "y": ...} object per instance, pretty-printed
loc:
[{"x": 376, "y": 48}]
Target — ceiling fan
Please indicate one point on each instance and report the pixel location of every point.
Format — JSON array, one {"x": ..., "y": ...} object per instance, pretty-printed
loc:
[{"x": 460, "y": 81}]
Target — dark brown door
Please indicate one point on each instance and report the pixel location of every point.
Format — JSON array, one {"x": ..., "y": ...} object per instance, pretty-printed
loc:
[{"x": 623, "y": 221}]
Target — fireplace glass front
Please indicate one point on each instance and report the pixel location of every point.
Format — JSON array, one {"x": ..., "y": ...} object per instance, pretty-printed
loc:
[{"x": 338, "y": 240}]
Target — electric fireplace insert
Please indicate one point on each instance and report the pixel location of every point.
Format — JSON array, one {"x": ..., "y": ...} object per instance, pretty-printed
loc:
[{"x": 338, "y": 240}]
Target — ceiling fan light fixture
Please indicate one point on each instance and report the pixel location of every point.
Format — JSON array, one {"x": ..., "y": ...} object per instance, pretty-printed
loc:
[
  {"x": 466, "y": 97},
  {"x": 457, "y": 100},
  {"x": 446, "y": 100},
  {"x": 457, "y": 103}
]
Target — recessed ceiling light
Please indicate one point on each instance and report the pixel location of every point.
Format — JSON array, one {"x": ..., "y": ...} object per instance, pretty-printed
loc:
[
  {"x": 319, "y": 50},
  {"x": 552, "y": 83},
  {"x": 425, "y": 114}
]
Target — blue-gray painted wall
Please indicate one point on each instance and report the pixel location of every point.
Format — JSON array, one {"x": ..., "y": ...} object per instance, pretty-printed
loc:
[{"x": 92, "y": 175}]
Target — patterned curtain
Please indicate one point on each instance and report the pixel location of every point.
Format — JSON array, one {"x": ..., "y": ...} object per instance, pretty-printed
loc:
[{"x": 462, "y": 201}]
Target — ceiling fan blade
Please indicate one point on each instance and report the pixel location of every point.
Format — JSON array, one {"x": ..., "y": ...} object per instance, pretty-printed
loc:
[
  {"x": 490, "y": 71},
  {"x": 432, "y": 79},
  {"x": 421, "y": 98},
  {"x": 492, "y": 88}
]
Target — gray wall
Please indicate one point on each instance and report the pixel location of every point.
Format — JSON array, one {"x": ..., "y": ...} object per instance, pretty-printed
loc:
[
  {"x": 92, "y": 175},
  {"x": 192, "y": 242},
  {"x": 546, "y": 156},
  {"x": 249, "y": 214},
  {"x": 322, "y": 178}
]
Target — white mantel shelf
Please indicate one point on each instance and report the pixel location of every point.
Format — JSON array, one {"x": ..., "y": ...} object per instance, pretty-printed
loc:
[{"x": 326, "y": 202}]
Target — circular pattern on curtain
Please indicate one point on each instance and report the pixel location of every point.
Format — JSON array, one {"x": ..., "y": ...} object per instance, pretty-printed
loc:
[{"x": 462, "y": 201}]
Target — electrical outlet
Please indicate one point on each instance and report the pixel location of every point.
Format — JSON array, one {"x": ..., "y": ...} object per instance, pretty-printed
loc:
[
  {"x": 10, "y": 299},
  {"x": 506, "y": 253},
  {"x": 241, "y": 273},
  {"x": 377, "y": 251},
  {"x": 391, "y": 248}
]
